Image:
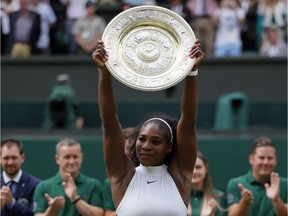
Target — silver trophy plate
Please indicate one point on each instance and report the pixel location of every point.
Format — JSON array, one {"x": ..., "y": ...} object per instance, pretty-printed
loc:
[{"x": 148, "y": 48}]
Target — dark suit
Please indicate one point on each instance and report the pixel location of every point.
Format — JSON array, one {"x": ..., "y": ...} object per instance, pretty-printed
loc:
[
  {"x": 23, "y": 196},
  {"x": 34, "y": 34}
]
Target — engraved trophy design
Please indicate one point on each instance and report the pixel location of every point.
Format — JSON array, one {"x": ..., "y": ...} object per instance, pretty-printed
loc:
[{"x": 148, "y": 48}]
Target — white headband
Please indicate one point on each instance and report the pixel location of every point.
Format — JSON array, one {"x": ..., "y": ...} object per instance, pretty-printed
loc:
[{"x": 162, "y": 120}]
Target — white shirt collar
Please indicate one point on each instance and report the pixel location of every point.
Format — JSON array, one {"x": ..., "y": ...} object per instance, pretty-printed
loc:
[{"x": 16, "y": 179}]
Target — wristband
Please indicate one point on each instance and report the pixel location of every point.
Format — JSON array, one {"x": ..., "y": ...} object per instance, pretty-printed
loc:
[
  {"x": 193, "y": 73},
  {"x": 76, "y": 200}
]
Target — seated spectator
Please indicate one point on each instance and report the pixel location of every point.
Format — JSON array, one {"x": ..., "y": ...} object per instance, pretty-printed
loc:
[
  {"x": 62, "y": 109},
  {"x": 17, "y": 186},
  {"x": 89, "y": 30},
  {"x": 69, "y": 192},
  {"x": 261, "y": 191},
  {"x": 204, "y": 199},
  {"x": 273, "y": 45}
]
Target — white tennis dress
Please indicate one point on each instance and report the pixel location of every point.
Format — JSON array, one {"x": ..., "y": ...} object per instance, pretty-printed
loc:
[{"x": 152, "y": 192}]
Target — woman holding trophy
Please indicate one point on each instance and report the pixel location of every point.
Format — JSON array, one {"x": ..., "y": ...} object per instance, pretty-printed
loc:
[{"x": 165, "y": 148}]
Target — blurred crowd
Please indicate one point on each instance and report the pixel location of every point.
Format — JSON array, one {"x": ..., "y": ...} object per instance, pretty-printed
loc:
[{"x": 72, "y": 27}]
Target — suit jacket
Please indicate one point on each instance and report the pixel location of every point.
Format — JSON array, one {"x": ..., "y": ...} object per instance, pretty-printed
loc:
[
  {"x": 34, "y": 34},
  {"x": 23, "y": 196}
]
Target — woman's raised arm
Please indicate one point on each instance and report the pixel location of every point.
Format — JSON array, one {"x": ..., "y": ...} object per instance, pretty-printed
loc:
[{"x": 115, "y": 159}]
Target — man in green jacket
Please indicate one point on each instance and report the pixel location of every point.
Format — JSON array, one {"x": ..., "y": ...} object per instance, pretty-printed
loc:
[
  {"x": 62, "y": 109},
  {"x": 261, "y": 191},
  {"x": 69, "y": 192}
]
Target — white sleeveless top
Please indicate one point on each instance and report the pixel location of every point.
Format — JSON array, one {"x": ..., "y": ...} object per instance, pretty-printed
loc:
[{"x": 152, "y": 192}]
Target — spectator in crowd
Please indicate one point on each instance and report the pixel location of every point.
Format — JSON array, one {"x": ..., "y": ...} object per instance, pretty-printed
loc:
[
  {"x": 181, "y": 9},
  {"x": 48, "y": 20},
  {"x": 5, "y": 29},
  {"x": 261, "y": 191},
  {"x": 75, "y": 10},
  {"x": 58, "y": 36},
  {"x": 202, "y": 23},
  {"x": 109, "y": 208},
  {"x": 17, "y": 186},
  {"x": 89, "y": 30},
  {"x": 249, "y": 29},
  {"x": 69, "y": 192},
  {"x": 24, "y": 31},
  {"x": 274, "y": 13},
  {"x": 161, "y": 184},
  {"x": 62, "y": 108},
  {"x": 273, "y": 44},
  {"x": 228, "y": 19},
  {"x": 7, "y": 7},
  {"x": 10, "y": 6},
  {"x": 126, "y": 4},
  {"x": 205, "y": 199}
]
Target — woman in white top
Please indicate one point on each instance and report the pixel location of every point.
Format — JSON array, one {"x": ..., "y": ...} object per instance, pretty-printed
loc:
[
  {"x": 166, "y": 150},
  {"x": 228, "y": 18}
]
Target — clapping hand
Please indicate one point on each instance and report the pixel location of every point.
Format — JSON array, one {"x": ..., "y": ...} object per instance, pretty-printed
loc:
[
  {"x": 55, "y": 203},
  {"x": 70, "y": 186},
  {"x": 246, "y": 195},
  {"x": 272, "y": 190},
  {"x": 2, "y": 199},
  {"x": 6, "y": 196}
]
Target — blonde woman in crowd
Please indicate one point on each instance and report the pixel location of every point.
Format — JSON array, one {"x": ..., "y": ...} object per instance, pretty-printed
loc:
[{"x": 204, "y": 199}]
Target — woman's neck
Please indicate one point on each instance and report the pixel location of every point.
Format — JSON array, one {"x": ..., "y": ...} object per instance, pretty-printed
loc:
[{"x": 197, "y": 186}]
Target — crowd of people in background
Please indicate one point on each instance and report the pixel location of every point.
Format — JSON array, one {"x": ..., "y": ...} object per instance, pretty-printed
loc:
[{"x": 70, "y": 27}]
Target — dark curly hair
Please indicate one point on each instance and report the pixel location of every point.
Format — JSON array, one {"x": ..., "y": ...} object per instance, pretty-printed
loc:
[{"x": 173, "y": 122}]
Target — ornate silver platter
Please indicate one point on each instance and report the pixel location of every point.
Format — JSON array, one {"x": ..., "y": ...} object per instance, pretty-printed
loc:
[{"x": 148, "y": 48}]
